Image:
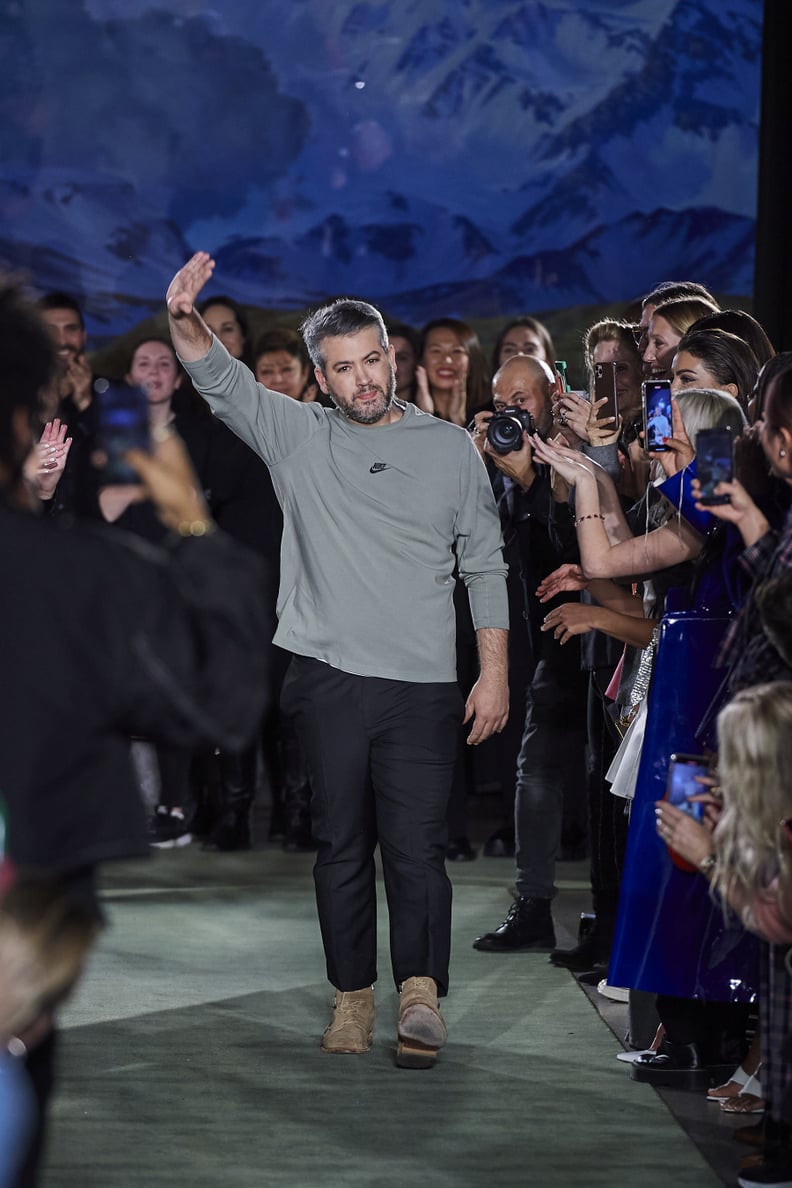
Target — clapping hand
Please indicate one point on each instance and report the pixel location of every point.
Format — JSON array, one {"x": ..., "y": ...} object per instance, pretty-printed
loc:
[{"x": 48, "y": 459}]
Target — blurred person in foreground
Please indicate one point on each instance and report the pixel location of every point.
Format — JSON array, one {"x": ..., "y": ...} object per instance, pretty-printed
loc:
[{"x": 101, "y": 639}]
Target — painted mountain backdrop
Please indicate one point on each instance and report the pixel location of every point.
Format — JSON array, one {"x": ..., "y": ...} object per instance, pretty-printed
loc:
[{"x": 475, "y": 157}]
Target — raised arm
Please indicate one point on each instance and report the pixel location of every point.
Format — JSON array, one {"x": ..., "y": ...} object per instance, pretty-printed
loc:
[
  {"x": 191, "y": 336},
  {"x": 600, "y": 558}
]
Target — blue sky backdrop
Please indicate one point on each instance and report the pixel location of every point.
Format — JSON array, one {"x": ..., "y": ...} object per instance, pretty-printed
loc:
[{"x": 473, "y": 157}]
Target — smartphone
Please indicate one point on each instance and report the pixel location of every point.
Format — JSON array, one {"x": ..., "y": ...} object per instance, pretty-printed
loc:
[
  {"x": 683, "y": 783},
  {"x": 123, "y": 425},
  {"x": 657, "y": 415},
  {"x": 714, "y": 462},
  {"x": 605, "y": 389},
  {"x": 561, "y": 371}
]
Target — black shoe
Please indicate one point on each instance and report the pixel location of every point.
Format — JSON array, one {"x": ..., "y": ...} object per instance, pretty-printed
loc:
[
  {"x": 591, "y": 952},
  {"x": 674, "y": 1065},
  {"x": 460, "y": 850},
  {"x": 528, "y": 925},
  {"x": 593, "y": 977},
  {"x": 232, "y": 832},
  {"x": 167, "y": 829},
  {"x": 500, "y": 844}
]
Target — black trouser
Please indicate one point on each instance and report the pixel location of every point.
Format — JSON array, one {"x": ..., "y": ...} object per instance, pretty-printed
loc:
[
  {"x": 380, "y": 757},
  {"x": 608, "y": 820}
]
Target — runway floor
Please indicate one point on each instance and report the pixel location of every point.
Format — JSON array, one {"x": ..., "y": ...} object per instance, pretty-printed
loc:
[{"x": 190, "y": 1055}]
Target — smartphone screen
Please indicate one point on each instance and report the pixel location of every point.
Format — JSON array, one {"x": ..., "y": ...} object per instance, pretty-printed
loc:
[
  {"x": 714, "y": 462},
  {"x": 657, "y": 415},
  {"x": 605, "y": 389},
  {"x": 682, "y": 782},
  {"x": 123, "y": 425},
  {"x": 561, "y": 371}
]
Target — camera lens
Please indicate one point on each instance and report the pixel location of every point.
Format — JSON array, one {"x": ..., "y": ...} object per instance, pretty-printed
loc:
[{"x": 504, "y": 434}]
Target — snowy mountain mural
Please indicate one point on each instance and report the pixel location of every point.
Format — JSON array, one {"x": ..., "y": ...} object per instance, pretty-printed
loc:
[{"x": 474, "y": 157}]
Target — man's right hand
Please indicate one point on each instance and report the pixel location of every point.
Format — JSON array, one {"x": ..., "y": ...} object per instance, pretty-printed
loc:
[
  {"x": 191, "y": 336},
  {"x": 187, "y": 284}
]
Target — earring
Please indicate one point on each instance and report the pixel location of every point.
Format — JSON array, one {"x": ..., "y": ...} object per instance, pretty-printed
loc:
[{"x": 782, "y": 453}]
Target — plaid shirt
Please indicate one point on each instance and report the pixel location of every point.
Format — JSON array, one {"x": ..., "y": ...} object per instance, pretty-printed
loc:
[{"x": 747, "y": 651}]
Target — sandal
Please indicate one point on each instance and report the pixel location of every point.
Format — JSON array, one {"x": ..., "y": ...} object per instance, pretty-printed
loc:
[
  {"x": 750, "y": 1101},
  {"x": 733, "y": 1087},
  {"x": 746, "y": 1103}
]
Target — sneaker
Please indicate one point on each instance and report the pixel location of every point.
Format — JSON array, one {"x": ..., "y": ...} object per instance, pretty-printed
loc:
[
  {"x": 168, "y": 829},
  {"x": 775, "y": 1173},
  {"x": 422, "y": 1029},
  {"x": 528, "y": 925},
  {"x": 614, "y": 993},
  {"x": 351, "y": 1028}
]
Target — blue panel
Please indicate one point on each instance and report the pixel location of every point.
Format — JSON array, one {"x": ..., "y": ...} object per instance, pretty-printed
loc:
[{"x": 670, "y": 936}]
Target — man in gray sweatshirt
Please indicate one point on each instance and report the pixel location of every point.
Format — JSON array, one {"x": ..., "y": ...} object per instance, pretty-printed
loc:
[{"x": 380, "y": 503}]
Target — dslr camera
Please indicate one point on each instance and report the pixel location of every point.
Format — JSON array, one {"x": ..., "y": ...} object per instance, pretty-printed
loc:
[{"x": 505, "y": 429}]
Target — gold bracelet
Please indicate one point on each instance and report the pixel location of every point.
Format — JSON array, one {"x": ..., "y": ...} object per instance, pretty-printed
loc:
[
  {"x": 195, "y": 527},
  {"x": 591, "y": 516},
  {"x": 707, "y": 865}
]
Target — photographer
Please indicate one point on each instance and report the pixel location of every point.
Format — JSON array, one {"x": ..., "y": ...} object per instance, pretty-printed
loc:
[{"x": 552, "y": 752}]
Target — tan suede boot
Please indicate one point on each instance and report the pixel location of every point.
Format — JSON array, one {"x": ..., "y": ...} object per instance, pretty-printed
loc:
[
  {"x": 422, "y": 1030},
  {"x": 352, "y": 1024}
]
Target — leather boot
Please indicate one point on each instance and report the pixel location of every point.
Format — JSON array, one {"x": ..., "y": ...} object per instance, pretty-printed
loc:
[
  {"x": 422, "y": 1029},
  {"x": 350, "y": 1030},
  {"x": 528, "y": 925},
  {"x": 594, "y": 950}
]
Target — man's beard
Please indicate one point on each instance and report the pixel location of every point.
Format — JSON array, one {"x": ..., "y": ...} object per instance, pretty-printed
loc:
[{"x": 366, "y": 412}]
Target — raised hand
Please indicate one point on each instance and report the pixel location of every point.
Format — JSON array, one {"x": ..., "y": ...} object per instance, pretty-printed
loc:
[
  {"x": 679, "y": 452},
  {"x": 48, "y": 459},
  {"x": 423, "y": 397},
  {"x": 478, "y": 431},
  {"x": 740, "y": 510},
  {"x": 187, "y": 284},
  {"x": 78, "y": 380},
  {"x": 602, "y": 431},
  {"x": 574, "y": 412}
]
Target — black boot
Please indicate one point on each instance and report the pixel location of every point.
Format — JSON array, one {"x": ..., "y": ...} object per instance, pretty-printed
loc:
[
  {"x": 528, "y": 925},
  {"x": 594, "y": 950}
]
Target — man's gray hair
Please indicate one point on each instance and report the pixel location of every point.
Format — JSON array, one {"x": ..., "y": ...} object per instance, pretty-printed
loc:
[{"x": 339, "y": 318}]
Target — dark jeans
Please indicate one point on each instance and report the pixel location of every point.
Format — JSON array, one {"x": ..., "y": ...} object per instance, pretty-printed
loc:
[
  {"x": 552, "y": 757},
  {"x": 380, "y": 756}
]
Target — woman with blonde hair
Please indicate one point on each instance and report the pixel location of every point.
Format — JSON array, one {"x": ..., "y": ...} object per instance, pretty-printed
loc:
[{"x": 669, "y": 323}]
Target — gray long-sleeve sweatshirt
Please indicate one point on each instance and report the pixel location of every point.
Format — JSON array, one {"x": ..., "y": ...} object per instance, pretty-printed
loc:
[{"x": 372, "y": 515}]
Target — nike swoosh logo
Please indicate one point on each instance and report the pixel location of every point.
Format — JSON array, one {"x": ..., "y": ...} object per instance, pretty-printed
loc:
[{"x": 377, "y": 467}]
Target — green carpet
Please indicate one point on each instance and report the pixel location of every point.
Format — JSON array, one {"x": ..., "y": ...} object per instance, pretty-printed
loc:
[{"x": 191, "y": 1056}]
